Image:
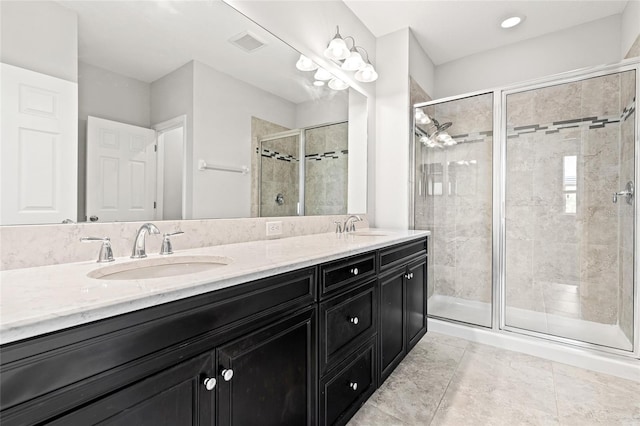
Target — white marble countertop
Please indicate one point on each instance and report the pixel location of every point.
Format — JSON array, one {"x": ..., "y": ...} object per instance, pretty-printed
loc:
[{"x": 43, "y": 299}]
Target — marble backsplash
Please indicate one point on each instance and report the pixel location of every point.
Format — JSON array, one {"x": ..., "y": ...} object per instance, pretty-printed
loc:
[{"x": 28, "y": 246}]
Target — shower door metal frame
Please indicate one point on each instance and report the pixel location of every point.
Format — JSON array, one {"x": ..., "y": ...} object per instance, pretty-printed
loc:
[
  {"x": 495, "y": 297},
  {"x": 499, "y": 196},
  {"x": 500, "y": 175}
]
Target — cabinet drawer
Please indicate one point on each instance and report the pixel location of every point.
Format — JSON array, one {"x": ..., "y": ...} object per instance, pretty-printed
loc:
[
  {"x": 402, "y": 252},
  {"x": 335, "y": 275},
  {"x": 345, "y": 390},
  {"x": 346, "y": 322}
]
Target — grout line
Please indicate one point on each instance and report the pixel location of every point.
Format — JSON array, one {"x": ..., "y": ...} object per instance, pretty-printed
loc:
[
  {"x": 449, "y": 383},
  {"x": 555, "y": 390}
]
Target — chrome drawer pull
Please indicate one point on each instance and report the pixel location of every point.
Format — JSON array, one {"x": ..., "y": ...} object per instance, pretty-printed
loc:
[
  {"x": 210, "y": 383},
  {"x": 353, "y": 385},
  {"x": 354, "y": 271},
  {"x": 354, "y": 320}
]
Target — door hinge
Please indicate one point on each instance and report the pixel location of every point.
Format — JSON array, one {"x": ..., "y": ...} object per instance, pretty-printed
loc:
[
  {"x": 154, "y": 204},
  {"x": 155, "y": 148}
]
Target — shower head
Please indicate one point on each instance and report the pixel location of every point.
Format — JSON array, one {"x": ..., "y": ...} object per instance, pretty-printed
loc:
[{"x": 441, "y": 127}]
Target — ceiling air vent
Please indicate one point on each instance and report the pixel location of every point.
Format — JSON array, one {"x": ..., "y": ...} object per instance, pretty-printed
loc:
[{"x": 247, "y": 41}]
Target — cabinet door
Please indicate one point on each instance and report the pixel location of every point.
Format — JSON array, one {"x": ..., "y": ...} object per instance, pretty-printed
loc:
[
  {"x": 392, "y": 325},
  {"x": 271, "y": 375},
  {"x": 177, "y": 396},
  {"x": 416, "y": 306}
]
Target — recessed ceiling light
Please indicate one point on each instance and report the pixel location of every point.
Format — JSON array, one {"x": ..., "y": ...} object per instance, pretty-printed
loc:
[
  {"x": 318, "y": 83},
  {"x": 511, "y": 21}
]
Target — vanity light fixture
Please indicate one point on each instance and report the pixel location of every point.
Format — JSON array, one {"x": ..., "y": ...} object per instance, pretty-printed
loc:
[
  {"x": 512, "y": 21},
  {"x": 337, "y": 49},
  {"x": 322, "y": 74},
  {"x": 306, "y": 64},
  {"x": 337, "y": 84},
  {"x": 351, "y": 59}
]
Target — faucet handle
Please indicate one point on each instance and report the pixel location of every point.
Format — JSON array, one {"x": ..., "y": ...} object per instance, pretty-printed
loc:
[
  {"x": 166, "y": 242},
  {"x": 338, "y": 227},
  {"x": 106, "y": 254}
]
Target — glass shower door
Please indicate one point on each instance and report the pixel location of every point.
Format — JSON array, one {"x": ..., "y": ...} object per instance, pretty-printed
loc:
[
  {"x": 569, "y": 254},
  {"x": 453, "y": 199}
]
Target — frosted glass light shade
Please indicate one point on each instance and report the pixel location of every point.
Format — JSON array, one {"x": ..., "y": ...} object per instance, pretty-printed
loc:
[
  {"x": 337, "y": 49},
  {"x": 322, "y": 74},
  {"x": 354, "y": 62},
  {"x": 306, "y": 64},
  {"x": 337, "y": 84},
  {"x": 366, "y": 74}
]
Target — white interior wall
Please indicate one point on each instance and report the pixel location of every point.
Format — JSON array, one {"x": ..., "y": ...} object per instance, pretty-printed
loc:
[
  {"x": 222, "y": 111},
  {"x": 392, "y": 131},
  {"x": 421, "y": 67},
  {"x": 171, "y": 97},
  {"x": 41, "y": 37},
  {"x": 582, "y": 46},
  {"x": 630, "y": 26}
]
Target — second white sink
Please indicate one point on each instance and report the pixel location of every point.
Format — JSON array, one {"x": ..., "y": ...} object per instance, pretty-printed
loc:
[{"x": 159, "y": 267}]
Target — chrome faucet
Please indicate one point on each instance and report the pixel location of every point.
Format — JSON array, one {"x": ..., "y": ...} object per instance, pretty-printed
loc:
[
  {"x": 139, "y": 250},
  {"x": 350, "y": 223}
]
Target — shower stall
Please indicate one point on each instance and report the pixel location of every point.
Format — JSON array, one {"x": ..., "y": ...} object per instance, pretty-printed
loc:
[{"x": 529, "y": 193}]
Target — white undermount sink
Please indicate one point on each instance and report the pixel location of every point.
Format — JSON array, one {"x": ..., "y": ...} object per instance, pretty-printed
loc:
[{"x": 159, "y": 267}]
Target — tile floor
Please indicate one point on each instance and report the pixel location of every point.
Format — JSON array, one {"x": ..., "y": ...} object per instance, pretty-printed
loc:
[{"x": 450, "y": 381}]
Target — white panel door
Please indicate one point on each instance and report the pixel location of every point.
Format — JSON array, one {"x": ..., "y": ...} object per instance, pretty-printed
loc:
[
  {"x": 121, "y": 171},
  {"x": 39, "y": 147}
]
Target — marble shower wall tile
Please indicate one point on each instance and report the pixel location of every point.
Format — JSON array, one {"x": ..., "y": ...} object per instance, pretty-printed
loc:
[
  {"x": 326, "y": 169},
  {"x": 40, "y": 245}
]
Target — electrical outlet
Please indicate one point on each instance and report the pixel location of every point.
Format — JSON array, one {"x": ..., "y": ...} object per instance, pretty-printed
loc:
[{"x": 274, "y": 228}]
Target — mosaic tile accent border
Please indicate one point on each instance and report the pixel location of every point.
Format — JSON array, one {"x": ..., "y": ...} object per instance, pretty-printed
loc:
[
  {"x": 276, "y": 155},
  {"x": 576, "y": 123},
  {"x": 327, "y": 155}
]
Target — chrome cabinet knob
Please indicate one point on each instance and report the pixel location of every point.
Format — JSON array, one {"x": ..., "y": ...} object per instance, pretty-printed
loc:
[
  {"x": 354, "y": 271},
  {"x": 353, "y": 385},
  {"x": 354, "y": 320},
  {"x": 227, "y": 374},
  {"x": 210, "y": 383}
]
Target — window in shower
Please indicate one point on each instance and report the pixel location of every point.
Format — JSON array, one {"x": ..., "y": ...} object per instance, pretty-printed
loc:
[
  {"x": 569, "y": 181},
  {"x": 569, "y": 247},
  {"x": 453, "y": 199}
]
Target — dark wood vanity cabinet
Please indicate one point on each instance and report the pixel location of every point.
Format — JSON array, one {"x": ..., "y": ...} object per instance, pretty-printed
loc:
[
  {"x": 305, "y": 347},
  {"x": 273, "y": 375},
  {"x": 403, "y": 302}
]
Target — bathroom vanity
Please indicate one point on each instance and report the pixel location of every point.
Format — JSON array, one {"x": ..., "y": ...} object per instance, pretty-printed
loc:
[{"x": 293, "y": 331}]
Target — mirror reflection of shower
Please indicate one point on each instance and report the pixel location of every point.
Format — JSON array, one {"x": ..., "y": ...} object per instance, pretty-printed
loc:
[
  {"x": 315, "y": 186},
  {"x": 432, "y": 134}
]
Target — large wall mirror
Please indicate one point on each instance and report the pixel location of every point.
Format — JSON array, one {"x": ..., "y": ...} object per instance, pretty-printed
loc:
[{"x": 152, "y": 110}]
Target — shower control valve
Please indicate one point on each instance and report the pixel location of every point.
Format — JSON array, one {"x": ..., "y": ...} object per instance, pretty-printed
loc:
[{"x": 628, "y": 192}]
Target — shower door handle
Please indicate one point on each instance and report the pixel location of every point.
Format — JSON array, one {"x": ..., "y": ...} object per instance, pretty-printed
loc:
[{"x": 628, "y": 192}]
